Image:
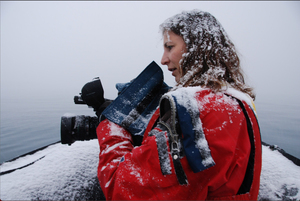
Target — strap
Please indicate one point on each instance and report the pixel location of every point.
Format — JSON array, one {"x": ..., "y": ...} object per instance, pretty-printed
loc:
[
  {"x": 180, "y": 174},
  {"x": 248, "y": 179},
  {"x": 168, "y": 120}
]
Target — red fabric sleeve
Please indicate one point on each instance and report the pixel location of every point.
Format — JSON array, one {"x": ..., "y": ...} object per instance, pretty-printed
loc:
[{"x": 126, "y": 172}]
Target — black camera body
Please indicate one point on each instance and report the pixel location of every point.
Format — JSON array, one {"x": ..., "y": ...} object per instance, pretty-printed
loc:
[{"x": 81, "y": 127}]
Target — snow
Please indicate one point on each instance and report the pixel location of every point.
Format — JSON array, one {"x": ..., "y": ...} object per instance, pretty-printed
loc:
[
  {"x": 186, "y": 98},
  {"x": 210, "y": 58},
  {"x": 62, "y": 173},
  {"x": 204, "y": 33},
  {"x": 116, "y": 130},
  {"x": 161, "y": 140},
  {"x": 69, "y": 115},
  {"x": 280, "y": 178},
  {"x": 68, "y": 173},
  {"x": 111, "y": 148}
]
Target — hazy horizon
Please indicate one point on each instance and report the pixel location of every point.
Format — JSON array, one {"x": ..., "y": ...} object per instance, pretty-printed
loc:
[{"x": 52, "y": 48}]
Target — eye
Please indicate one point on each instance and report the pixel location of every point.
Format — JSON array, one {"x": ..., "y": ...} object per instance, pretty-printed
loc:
[{"x": 169, "y": 47}]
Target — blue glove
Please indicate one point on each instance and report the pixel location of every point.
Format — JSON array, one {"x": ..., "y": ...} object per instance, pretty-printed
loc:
[{"x": 137, "y": 100}]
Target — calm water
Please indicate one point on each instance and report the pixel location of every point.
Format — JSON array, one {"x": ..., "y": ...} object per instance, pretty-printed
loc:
[
  {"x": 280, "y": 125},
  {"x": 28, "y": 125}
]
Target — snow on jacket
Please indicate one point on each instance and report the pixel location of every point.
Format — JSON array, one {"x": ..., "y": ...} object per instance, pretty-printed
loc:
[{"x": 231, "y": 133}]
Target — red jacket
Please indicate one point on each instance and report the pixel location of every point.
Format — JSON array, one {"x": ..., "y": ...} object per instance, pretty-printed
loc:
[{"x": 232, "y": 133}]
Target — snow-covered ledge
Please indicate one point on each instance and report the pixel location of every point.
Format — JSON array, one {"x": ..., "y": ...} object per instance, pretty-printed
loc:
[{"x": 62, "y": 172}]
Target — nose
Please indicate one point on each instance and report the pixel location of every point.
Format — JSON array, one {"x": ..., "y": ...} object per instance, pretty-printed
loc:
[{"x": 165, "y": 59}]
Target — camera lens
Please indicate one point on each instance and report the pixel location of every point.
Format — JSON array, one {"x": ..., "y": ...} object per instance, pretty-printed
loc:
[{"x": 78, "y": 127}]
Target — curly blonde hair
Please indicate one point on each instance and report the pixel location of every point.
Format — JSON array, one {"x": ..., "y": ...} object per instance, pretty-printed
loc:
[{"x": 211, "y": 59}]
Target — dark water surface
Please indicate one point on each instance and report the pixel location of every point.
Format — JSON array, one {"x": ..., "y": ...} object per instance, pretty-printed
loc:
[{"x": 29, "y": 125}]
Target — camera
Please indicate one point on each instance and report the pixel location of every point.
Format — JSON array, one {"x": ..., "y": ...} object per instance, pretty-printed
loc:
[
  {"x": 133, "y": 108},
  {"x": 81, "y": 127}
]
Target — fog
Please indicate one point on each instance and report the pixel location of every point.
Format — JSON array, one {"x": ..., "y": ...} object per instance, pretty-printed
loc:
[{"x": 50, "y": 49}]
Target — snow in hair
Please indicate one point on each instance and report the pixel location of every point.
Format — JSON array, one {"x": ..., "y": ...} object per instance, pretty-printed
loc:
[{"x": 211, "y": 59}]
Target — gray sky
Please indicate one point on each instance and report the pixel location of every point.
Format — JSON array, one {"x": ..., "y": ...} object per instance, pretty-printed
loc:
[{"x": 52, "y": 48}]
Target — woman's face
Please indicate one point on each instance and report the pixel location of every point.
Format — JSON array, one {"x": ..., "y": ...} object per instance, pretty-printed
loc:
[{"x": 174, "y": 47}]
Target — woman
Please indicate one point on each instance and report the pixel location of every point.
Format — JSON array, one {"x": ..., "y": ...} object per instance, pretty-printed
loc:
[{"x": 204, "y": 140}]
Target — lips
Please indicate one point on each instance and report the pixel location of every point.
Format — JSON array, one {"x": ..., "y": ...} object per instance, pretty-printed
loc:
[{"x": 173, "y": 70}]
